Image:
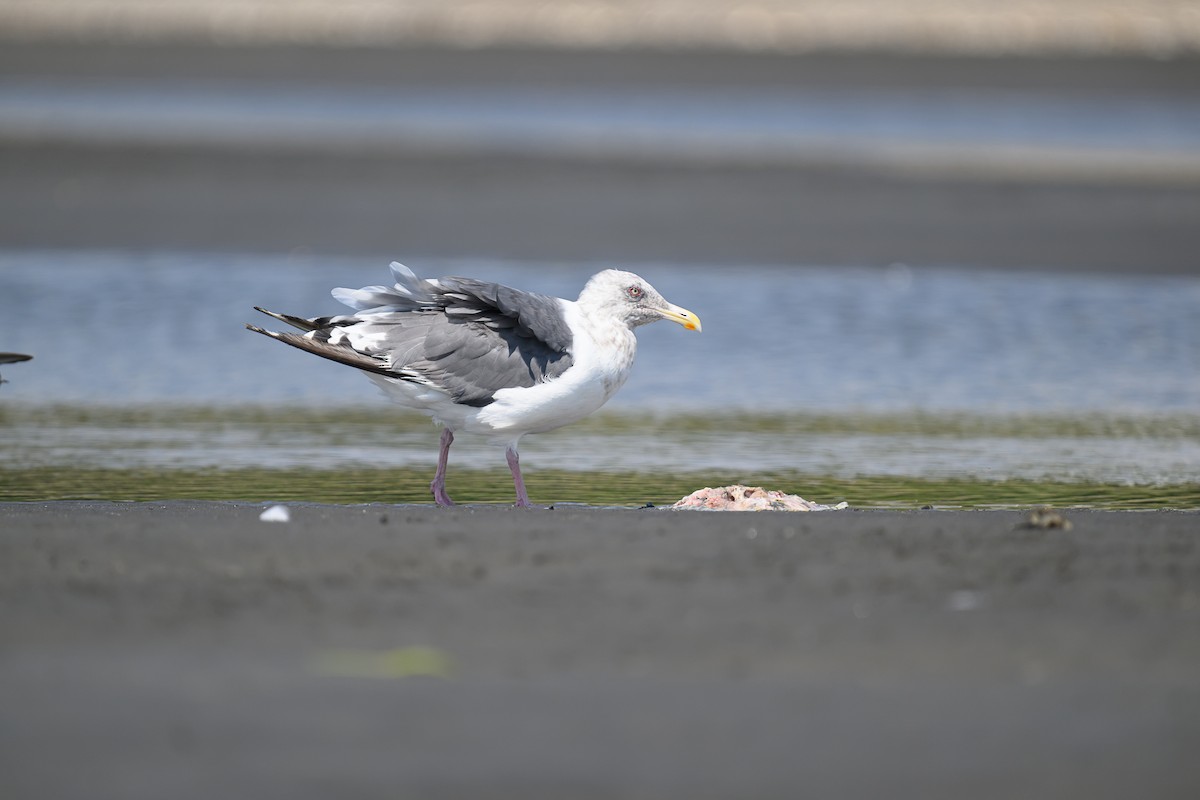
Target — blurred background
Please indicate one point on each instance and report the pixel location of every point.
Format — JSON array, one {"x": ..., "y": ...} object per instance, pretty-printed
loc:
[{"x": 897, "y": 209}]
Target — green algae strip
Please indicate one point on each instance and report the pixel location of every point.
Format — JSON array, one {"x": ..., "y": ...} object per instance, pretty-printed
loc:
[
  {"x": 411, "y": 485},
  {"x": 262, "y": 428},
  {"x": 384, "y": 418}
]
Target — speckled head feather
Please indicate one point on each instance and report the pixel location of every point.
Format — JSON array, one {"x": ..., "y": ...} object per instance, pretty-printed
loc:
[{"x": 631, "y": 298}]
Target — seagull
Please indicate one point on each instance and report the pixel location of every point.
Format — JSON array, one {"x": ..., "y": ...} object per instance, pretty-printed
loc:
[{"x": 483, "y": 358}]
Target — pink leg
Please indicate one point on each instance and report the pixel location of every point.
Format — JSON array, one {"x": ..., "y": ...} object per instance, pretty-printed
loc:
[
  {"x": 514, "y": 464},
  {"x": 438, "y": 486}
]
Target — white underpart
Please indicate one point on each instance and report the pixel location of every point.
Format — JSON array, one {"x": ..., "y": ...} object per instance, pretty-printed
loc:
[{"x": 602, "y": 348}]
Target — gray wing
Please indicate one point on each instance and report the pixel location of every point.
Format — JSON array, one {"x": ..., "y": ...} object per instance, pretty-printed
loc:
[{"x": 468, "y": 338}]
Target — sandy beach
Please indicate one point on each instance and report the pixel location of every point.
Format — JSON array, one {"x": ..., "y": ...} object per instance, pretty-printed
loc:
[{"x": 190, "y": 649}]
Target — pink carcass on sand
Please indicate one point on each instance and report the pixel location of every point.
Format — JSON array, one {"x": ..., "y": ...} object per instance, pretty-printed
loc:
[{"x": 749, "y": 498}]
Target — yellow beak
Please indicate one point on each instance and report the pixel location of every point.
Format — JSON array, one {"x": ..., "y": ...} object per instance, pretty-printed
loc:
[{"x": 681, "y": 315}]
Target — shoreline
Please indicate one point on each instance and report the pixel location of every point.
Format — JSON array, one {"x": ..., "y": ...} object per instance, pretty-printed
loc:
[{"x": 408, "y": 487}]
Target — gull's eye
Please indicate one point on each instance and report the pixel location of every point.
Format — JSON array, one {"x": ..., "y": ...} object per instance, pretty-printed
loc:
[{"x": 635, "y": 292}]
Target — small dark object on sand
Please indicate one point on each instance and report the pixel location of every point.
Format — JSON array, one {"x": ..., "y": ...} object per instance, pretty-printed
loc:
[{"x": 1046, "y": 518}]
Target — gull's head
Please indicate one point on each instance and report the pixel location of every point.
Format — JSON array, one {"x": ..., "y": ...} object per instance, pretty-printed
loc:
[{"x": 632, "y": 299}]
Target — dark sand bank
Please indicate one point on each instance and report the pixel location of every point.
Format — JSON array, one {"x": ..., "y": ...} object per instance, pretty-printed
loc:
[
  {"x": 430, "y": 200},
  {"x": 426, "y": 205},
  {"x": 434, "y": 66},
  {"x": 183, "y": 649}
]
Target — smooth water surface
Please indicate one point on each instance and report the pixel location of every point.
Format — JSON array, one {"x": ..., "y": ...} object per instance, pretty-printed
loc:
[
  {"x": 142, "y": 362},
  {"x": 978, "y": 131},
  {"x": 114, "y": 328},
  {"x": 767, "y": 124}
]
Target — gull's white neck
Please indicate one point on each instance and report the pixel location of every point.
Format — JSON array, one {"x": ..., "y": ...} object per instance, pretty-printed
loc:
[
  {"x": 602, "y": 351},
  {"x": 603, "y": 344}
]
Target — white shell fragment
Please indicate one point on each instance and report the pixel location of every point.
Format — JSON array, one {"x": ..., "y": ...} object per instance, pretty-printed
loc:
[
  {"x": 749, "y": 498},
  {"x": 275, "y": 514}
]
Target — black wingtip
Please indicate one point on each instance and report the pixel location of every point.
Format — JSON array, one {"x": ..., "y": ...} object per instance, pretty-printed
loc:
[{"x": 299, "y": 323}]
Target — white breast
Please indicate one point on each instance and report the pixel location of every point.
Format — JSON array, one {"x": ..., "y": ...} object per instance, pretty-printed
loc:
[{"x": 602, "y": 351}]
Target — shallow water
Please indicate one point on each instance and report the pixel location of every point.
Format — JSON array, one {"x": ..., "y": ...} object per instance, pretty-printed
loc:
[
  {"x": 709, "y": 123},
  {"x": 1125, "y": 456},
  {"x": 142, "y": 363},
  {"x": 115, "y": 328}
]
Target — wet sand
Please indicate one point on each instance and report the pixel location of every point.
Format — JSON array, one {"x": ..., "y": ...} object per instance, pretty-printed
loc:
[{"x": 176, "y": 649}]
